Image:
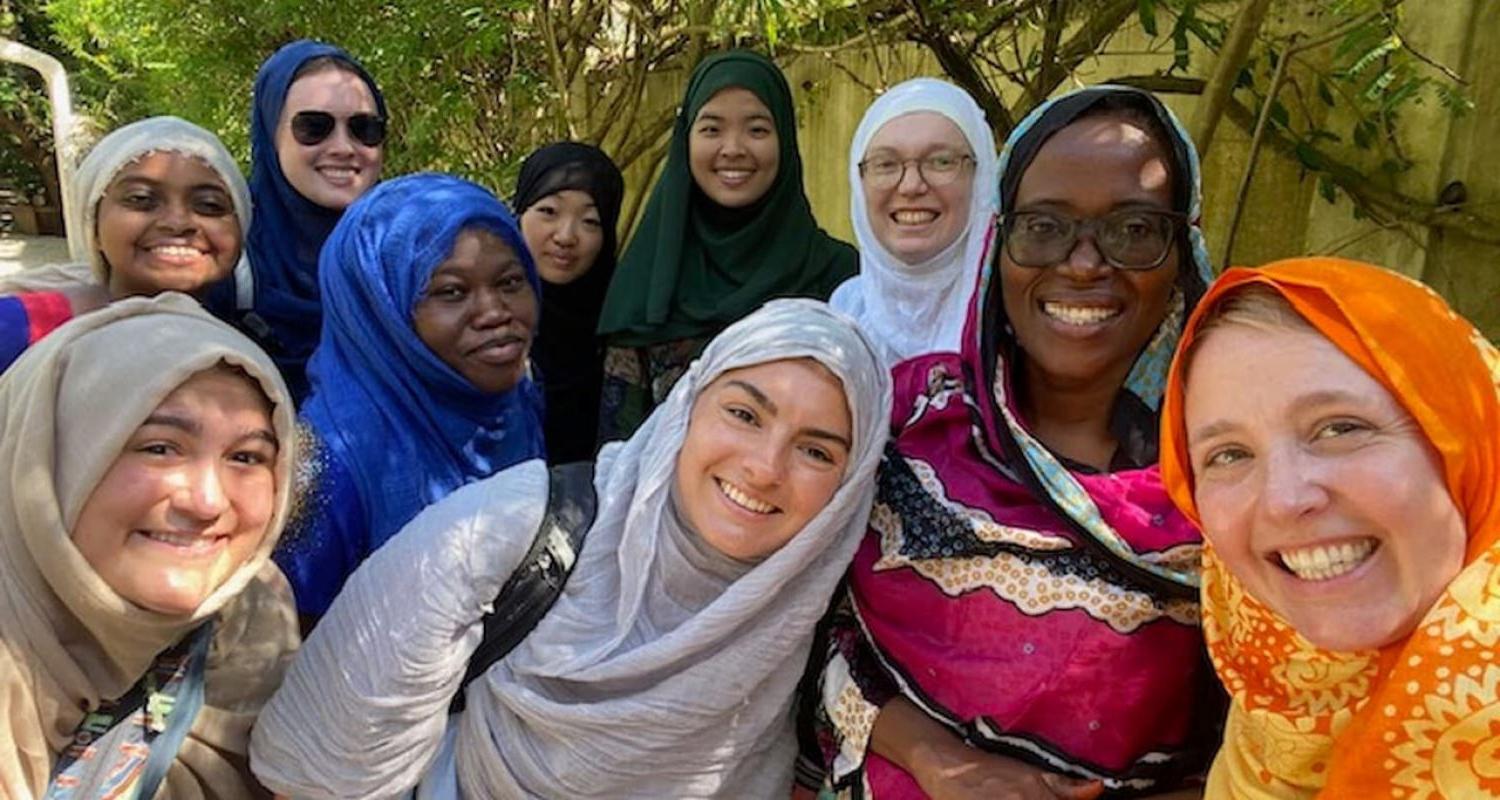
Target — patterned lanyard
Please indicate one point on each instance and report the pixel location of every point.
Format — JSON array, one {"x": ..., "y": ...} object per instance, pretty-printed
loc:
[{"x": 124, "y": 748}]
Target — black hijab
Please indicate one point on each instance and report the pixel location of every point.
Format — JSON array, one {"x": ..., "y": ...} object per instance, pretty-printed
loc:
[{"x": 567, "y": 352}]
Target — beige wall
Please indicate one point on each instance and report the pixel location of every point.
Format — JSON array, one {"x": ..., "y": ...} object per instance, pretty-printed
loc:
[{"x": 1284, "y": 215}]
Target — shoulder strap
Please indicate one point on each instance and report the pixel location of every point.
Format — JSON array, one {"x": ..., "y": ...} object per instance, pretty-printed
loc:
[{"x": 538, "y": 581}]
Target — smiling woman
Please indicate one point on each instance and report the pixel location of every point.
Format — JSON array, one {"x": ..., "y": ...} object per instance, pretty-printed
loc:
[
  {"x": 139, "y": 612},
  {"x": 164, "y": 209},
  {"x": 667, "y": 666},
  {"x": 1335, "y": 428},
  {"x": 922, "y": 174},
  {"x": 420, "y": 384},
  {"x": 317, "y": 143},
  {"x": 728, "y": 226},
  {"x": 1022, "y": 618}
]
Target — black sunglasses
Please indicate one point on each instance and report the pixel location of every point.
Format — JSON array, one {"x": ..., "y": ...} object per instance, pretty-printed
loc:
[{"x": 311, "y": 127}]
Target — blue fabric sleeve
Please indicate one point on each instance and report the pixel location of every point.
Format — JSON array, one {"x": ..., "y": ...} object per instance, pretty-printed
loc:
[
  {"x": 15, "y": 330},
  {"x": 327, "y": 536}
]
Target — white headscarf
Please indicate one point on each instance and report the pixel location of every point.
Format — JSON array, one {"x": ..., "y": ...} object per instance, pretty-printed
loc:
[
  {"x": 122, "y": 147},
  {"x": 913, "y": 309},
  {"x": 664, "y": 670}
]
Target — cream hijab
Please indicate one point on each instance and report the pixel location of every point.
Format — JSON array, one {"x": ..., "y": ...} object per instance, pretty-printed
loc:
[
  {"x": 122, "y": 147},
  {"x": 665, "y": 669},
  {"x": 913, "y": 309},
  {"x": 67, "y": 641}
]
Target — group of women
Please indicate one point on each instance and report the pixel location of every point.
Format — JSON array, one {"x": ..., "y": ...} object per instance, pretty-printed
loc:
[{"x": 1008, "y": 516}]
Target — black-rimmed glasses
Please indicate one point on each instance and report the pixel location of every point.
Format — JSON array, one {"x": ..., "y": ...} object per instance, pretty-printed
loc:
[{"x": 1128, "y": 239}]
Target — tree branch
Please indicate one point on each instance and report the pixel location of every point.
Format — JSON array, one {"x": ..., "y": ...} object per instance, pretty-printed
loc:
[
  {"x": 1227, "y": 66},
  {"x": 961, "y": 69},
  {"x": 1106, "y": 20}
]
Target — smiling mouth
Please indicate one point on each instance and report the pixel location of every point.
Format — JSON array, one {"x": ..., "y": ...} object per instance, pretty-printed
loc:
[
  {"x": 743, "y": 500},
  {"x": 191, "y": 544},
  {"x": 338, "y": 174},
  {"x": 1079, "y": 315},
  {"x": 1326, "y": 561},
  {"x": 914, "y": 216},
  {"x": 176, "y": 252},
  {"x": 500, "y": 351},
  {"x": 734, "y": 177}
]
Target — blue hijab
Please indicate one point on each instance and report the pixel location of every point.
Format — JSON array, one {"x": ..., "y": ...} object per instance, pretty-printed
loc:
[
  {"x": 282, "y": 310},
  {"x": 409, "y": 428}
]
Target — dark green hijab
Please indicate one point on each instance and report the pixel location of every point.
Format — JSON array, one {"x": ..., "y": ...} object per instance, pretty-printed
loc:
[{"x": 695, "y": 266}]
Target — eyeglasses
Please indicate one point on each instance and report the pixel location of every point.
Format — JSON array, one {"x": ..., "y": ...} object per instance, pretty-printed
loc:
[
  {"x": 938, "y": 169},
  {"x": 1130, "y": 239},
  {"x": 311, "y": 127}
]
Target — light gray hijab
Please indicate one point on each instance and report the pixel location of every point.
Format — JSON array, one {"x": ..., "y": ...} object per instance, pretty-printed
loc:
[{"x": 664, "y": 670}]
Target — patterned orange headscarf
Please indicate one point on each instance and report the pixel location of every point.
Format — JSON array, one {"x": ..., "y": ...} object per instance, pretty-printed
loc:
[{"x": 1419, "y": 718}]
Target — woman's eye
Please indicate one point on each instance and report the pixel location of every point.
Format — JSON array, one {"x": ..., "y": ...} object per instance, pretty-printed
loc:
[
  {"x": 250, "y": 457},
  {"x": 140, "y": 200},
  {"x": 511, "y": 282},
  {"x": 818, "y": 454},
  {"x": 446, "y": 292},
  {"x": 546, "y": 211},
  {"x": 708, "y": 130},
  {"x": 742, "y": 414},
  {"x": 1225, "y": 457},
  {"x": 1339, "y": 428},
  {"x": 760, "y": 130},
  {"x": 156, "y": 449},
  {"x": 592, "y": 223},
  {"x": 211, "y": 208}
]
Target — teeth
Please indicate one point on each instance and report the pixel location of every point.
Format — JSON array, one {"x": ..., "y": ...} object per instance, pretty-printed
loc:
[
  {"x": 190, "y": 541},
  {"x": 1078, "y": 315},
  {"x": 337, "y": 172},
  {"x": 174, "y": 251},
  {"x": 914, "y": 217},
  {"x": 1321, "y": 562},
  {"x": 734, "y": 174},
  {"x": 743, "y": 500}
]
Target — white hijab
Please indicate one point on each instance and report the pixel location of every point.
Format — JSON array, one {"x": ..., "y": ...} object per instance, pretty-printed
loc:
[
  {"x": 664, "y": 670},
  {"x": 913, "y": 309},
  {"x": 122, "y": 147}
]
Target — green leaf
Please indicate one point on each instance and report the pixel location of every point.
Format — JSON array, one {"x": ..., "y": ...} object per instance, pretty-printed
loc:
[
  {"x": 1327, "y": 189},
  {"x": 1147, "y": 11},
  {"x": 1325, "y": 92},
  {"x": 1309, "y": 157},
  {"x": 1280, "y": 115}
]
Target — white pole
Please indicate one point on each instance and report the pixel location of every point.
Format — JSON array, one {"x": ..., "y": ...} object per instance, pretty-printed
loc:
[{"x": 64, "y": 124}]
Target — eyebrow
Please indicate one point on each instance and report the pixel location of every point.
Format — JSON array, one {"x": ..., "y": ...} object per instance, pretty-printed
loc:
[
  {"x": 765, "y": 402},
  {"x": 193, "y": 428},
  {"x": 1316, "y": 399}
]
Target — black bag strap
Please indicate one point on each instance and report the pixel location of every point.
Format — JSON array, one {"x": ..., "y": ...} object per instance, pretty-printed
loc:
[{"x": 538, "y": 581}]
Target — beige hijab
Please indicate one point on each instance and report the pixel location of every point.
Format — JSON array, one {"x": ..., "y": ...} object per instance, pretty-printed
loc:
[{"x": 67, "y": 641}]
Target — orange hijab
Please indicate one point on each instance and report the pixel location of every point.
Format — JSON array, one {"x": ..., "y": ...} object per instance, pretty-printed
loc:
[{"x": 1420, "y": 717}]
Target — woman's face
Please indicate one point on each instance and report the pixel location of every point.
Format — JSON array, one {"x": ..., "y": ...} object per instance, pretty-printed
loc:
[
  {"x": 1081, "y": 321},
  {"x": 733, "y": 149},
  {"x": 921, "y": 214},
  {"x": 189, "y": 498},
  {"x": 564, "y": 234},
  {"x": 1317, "y": 489},
  {"x": 478, "y": 312},
  {"x": 765, "y": 451},
  {"x": 167, "y": 223},
  {"x": 335, "y": 171}
]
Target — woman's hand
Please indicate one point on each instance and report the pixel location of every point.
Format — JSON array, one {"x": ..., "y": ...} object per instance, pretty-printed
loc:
[
  {"x": 948, "y": 769},
  {"x": 977, "y": 775}
]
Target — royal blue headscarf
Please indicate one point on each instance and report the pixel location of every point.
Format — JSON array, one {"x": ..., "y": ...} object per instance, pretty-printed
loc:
[
  {"x": 409, "y": 428},
  {"x": 282, "y": 310}
]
